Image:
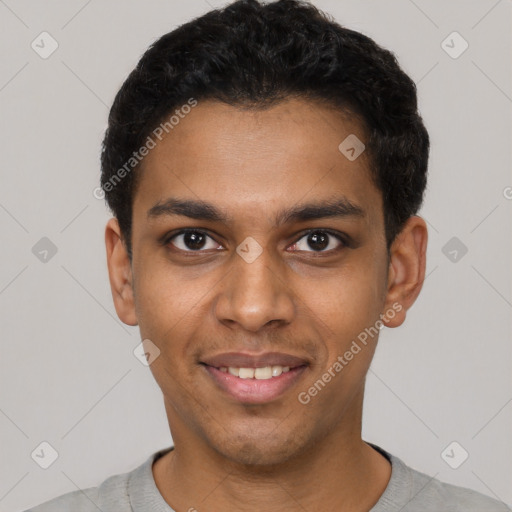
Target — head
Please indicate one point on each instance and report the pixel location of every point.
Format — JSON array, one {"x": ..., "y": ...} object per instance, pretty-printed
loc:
[{"x": 292, "y": 150}]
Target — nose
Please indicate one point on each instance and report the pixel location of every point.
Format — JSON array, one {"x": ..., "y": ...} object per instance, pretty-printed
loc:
[{"x": 255, "y": 295}]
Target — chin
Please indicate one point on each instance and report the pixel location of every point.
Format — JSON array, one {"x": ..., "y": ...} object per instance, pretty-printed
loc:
[{"x": 263, "y": 449}]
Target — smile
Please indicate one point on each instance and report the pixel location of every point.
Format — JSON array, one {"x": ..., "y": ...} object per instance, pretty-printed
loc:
[
  {"x": 255, "y": 385},
  {"x": 267, "y": 372}
]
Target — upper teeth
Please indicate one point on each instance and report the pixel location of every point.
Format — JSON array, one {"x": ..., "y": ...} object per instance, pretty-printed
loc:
[{"x": 266, "y": 372}]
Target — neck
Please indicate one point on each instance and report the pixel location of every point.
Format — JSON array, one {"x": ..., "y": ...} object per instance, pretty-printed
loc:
[{"x": 341, "y": 472}]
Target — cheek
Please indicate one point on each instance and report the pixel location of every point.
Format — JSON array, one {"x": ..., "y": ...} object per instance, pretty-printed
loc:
[
  {"x": 347, "y": 302},
  {"x": 163, "y": 302}
]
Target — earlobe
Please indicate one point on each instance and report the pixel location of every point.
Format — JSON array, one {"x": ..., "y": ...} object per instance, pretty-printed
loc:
[
  {"x": 406, "y": 271},
  {"x": 120, "y": 273}
]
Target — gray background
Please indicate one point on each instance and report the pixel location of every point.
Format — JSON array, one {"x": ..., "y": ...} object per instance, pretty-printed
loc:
[{"x": 68, "y": 373}]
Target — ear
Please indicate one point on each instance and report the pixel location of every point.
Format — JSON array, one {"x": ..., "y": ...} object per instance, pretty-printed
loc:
[
  {"x": 406, "y": 271},
  {"x": 120, "y": 273}
]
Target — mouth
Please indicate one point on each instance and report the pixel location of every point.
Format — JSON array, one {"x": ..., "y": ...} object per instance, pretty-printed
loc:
[{"x": 255, "y": 379}]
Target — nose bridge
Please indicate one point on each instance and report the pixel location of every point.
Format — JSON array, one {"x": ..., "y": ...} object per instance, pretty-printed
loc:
[{"x": 254, "y": 293}]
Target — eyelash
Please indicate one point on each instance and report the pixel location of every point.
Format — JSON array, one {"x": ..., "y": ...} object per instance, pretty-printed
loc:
[{"x": 341, "y": 238}]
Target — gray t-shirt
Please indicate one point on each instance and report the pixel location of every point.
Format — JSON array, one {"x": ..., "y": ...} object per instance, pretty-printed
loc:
[{"x": 408, "y": 490}]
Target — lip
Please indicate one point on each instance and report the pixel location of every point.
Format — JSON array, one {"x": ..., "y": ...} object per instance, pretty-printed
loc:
[
  {"x": 245, "y": 360},
  {"x": 255, "y": 391}
]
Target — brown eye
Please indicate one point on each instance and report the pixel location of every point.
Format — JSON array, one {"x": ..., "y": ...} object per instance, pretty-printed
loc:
[
  {"x": 192, "y": 241},
  {"x": 319, "y": 241}
]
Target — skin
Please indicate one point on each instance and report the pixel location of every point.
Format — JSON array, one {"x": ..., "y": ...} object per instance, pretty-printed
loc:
[{"x": 294, "y": 298}]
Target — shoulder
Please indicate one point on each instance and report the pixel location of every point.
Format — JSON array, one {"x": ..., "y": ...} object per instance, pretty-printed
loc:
[
  {"x": 428, "y": 494},
  {"x": 111, "y": 495},
  {"x": 79, "y": 501},
  {"x": 116, "y": 494},
  {"x": 410, "y": 490},
  {"x": 458, "y": 499}
]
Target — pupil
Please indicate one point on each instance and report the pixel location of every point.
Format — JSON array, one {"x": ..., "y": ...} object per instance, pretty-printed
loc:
[
  {"x": 194, "y": 240},
  {"x": 318, "y": 238}
]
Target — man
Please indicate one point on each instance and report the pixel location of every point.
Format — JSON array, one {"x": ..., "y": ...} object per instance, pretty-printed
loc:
[{"x": 265, "y": 167}]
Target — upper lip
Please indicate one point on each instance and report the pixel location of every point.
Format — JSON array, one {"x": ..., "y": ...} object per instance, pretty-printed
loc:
[{"x": 245, "y": 360}]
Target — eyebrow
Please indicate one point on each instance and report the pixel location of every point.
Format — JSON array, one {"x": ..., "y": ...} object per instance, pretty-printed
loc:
[{"x": 340, "y": 207}]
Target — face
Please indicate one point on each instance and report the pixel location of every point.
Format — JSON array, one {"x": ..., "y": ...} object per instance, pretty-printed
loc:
[{"x": 257, "y": 244}]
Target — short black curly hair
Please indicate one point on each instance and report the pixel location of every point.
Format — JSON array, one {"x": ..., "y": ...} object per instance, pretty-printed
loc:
[{"x": 253, "y": 54}]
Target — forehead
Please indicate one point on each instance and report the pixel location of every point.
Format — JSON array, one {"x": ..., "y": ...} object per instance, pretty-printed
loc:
[{"x": 247, "y": 161}]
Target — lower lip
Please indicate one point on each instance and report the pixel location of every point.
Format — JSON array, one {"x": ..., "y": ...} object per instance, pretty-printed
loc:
[{"x": 255, "y": 391}]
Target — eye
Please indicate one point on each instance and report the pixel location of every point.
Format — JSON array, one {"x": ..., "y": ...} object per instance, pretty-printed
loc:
[
  {"x": 192, "y": 240},
  {"x": 320, "y": 240}
]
